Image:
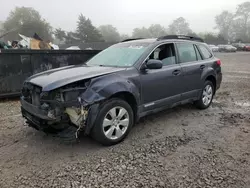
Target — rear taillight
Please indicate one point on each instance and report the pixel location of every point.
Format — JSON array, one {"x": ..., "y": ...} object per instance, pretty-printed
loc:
[{"x": 218, "y": 62}]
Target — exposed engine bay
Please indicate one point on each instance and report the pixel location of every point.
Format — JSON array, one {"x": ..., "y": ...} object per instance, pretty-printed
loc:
[{"x": 62, "y": 105}]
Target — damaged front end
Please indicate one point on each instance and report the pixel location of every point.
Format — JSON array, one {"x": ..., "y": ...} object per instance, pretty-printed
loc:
[
  {"x": 72, "y": 108},
  {"x": 58, "y": 110}
]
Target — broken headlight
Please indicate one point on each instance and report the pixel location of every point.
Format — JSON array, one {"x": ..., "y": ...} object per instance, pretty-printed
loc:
[
  {"x": 71, "y": 95},
  {"x": 73, "y": 91},
  {"x": 44, "y": 95},
  {"x": 52, "y": 95}
]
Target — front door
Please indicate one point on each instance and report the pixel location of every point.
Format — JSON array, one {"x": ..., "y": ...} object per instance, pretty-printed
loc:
[{"x": 161, "y": 87}]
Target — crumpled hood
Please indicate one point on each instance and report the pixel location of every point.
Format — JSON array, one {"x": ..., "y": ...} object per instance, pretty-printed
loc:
[{"x": 59, "y": 77}]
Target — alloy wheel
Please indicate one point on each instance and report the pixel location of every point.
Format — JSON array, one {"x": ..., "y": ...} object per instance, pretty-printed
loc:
[
  {"x": 207, "y": 95},
  {"x": 115, "y": 123}
]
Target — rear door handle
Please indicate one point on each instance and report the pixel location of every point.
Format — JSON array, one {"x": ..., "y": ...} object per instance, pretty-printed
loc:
[
  {"x": 176, "y": 72},
  {"x": 202, "y": 67}
]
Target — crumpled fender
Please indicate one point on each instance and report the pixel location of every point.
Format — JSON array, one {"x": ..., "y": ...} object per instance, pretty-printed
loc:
[
  {"x": 92, "y": 114},
  {"x": 102, "y": 88}
]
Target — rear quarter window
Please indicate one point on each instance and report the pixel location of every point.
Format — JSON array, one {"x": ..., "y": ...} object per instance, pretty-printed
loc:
[
  {"x": 198, "y": 54},
  {"x": 205, "y": 52}
]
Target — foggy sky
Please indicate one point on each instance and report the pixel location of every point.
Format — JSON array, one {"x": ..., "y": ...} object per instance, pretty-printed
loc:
[{"x": 126, "y": 14}]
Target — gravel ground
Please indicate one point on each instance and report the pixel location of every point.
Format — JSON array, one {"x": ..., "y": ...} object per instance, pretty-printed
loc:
[{"x": 180, "y": 147}]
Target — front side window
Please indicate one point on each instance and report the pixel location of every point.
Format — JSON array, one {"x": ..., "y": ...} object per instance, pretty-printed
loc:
[
  {"x": 186, "y": 52},
  {"x": 205, "y": 52},
  {"x": 165, "y": 53},
  {"x": 119, "y": 55}
]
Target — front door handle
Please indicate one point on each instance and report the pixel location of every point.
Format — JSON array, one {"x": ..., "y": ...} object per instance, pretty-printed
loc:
[
  {"x": 202, "y": 67},
  {"x": 176, "y": 72}
]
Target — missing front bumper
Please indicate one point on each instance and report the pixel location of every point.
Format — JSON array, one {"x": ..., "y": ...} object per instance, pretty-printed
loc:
[
  {"x": 40, "y": 120},
  {"x": 35, "y": 111}
]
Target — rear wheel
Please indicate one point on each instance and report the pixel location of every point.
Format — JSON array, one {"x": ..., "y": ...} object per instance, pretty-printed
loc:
[
  {"x": 206, "y": 96},
  {"x": 113, "y": 122}
]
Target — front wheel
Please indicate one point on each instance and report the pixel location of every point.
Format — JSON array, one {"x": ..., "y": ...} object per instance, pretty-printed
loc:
[
  {"x": 113, "y": 122},
  {"x": 206, "y": 96}
]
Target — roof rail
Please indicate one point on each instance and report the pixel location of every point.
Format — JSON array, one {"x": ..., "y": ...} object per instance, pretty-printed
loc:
[
  {"x": 126, "y": 40},
  {"x": 180, "y": 37}
]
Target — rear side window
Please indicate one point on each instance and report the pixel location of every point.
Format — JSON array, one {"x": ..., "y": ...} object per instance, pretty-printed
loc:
[
  {"x": 186, "y": 52},
  {"x": 205, "y": 52}
]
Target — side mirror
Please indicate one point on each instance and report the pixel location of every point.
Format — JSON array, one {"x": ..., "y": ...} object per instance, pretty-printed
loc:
[{"x": 153, "y": 64}]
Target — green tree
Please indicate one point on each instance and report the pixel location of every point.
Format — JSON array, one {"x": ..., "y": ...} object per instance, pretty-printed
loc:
[
  {"x": 191, "y": 33},
  {"x": 225, "y": 24},
  {"x": 156, "y": 30},
  {"x": 213, "y": 38},
  {"x": 210, "y": 38},
  {"x": 86, "y": 32},
  {"x": 1, "y": 27},
  {"x": 26, "y": 21},
  {"x": 60, "y": 34},
  {"x": 141, "y": 33},
  {"x": 72, "y": 38},
  {"x": 179, "y": 26},
  {"x": 66, "y": 37},
  {"x": 109, "y": 33},
  {"x": 124, "y": 37}
]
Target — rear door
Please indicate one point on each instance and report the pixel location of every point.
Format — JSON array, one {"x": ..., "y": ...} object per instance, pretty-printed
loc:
[{"x": 192, "y": 66}]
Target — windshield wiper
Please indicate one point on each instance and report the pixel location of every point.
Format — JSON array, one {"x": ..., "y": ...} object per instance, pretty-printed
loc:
[{"x": 108, "y": 66}]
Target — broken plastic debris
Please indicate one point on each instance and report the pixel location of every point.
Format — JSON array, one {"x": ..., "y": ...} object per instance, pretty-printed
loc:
[{"x": 73, "y": 48}]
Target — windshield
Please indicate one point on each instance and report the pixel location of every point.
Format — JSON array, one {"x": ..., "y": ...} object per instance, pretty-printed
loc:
[{"x": 119, "y": 55}]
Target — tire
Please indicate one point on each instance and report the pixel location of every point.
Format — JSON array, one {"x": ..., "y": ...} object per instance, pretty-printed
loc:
[
  {"x": 115, "y": 132},
  {"x": 201, "y": 104}
]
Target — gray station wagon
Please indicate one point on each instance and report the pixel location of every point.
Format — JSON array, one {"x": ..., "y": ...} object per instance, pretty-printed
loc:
[{"x": 105, "y": 96}]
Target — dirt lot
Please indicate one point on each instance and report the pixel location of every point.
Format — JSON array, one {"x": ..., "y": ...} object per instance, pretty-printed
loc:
[{"x": 181, "y": 147}]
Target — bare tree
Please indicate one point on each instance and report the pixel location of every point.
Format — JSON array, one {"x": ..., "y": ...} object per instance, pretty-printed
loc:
[
  {"x": 243, "y": 19},
  {"x": 224, "y": 22}
]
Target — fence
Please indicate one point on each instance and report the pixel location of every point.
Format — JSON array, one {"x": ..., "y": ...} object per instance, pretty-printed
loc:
[{"x": 17, "y": 65}]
